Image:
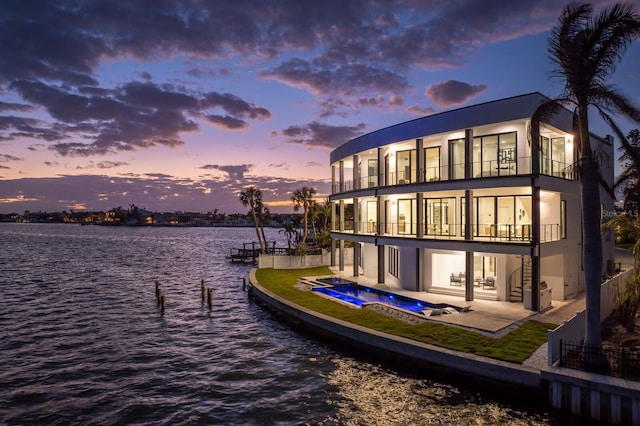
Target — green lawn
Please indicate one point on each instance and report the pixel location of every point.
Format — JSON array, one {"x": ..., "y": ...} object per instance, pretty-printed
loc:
[{"x": 515, "y": 347}]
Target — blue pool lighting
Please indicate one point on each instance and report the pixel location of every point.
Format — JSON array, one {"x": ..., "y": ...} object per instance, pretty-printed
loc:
[{"x": 349, "y": 291}]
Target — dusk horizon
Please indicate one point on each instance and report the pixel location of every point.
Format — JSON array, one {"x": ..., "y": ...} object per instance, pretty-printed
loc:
[{"x": 178, "y": 106}]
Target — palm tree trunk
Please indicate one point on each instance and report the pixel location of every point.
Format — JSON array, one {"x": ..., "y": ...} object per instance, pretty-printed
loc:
[
  {"x": 256, "y": 224},
  {"x": 594, "y": 358}
]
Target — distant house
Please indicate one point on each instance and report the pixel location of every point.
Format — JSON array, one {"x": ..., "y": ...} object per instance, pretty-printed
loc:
[{"x": 459, "y": 203}]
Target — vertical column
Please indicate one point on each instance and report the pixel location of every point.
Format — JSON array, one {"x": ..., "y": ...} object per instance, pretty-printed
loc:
[
  {"x": 468, "y": 215},
  {"x": 356, "y": 172},
  {"x": 420, "y": 172},
  {"x": 333, "y": 252},
  {"x": 381, "y": 170},
  {"x": 468, "y": 284},
  {"x": 356, "y": 258},
  {"x": 356, "y": 216},
  {"x": 419, "y": 268},
  {"x": 420, "y": 214},
  {"x": 341, "y": 173},
  {"x": 333, "y": 179},
  {"x": 468, "y": 153},
  {"x": 341, "y": 214},
  {"x": 381, "y": 264},
  {"x": 535, "y": 241},
  {"x": 341, "y": 257},
  {"x": 380, "y": 219}
]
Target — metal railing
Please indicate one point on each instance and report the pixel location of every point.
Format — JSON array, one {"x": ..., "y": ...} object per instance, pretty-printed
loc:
[
  {"x": 490, "y": 231},
  {"x": 479, "y": 169},
  {"x": 620, "y": 362}
]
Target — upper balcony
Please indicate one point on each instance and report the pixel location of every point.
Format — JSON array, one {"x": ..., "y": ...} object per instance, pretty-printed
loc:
[
  {"x": 481, "y": 169},
  {"x": 488, "y": 232}
]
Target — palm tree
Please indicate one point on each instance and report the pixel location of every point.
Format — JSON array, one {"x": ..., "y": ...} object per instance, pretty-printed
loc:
[
  {"x": 585, "y": 50},
  {"x": 303, "y": 198},
  {"x": 252, "y": 197},
  {"x": 629, "y": 180}
]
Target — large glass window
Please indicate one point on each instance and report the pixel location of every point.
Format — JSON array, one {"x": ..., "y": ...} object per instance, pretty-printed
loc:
[
  {"x": 372, "y": 215},
  {"x": 494, "y": 155},
  {"x": 552, "y": 156},
  {"x": 440, "y": 216},
  {"x": 506, "y": 217},
  {"x": 372, "y": 173},
  {"x": 406, "y": 214},
  {"x": 432, "y": 164},
  {"x": 456, "y": 159},
  {"x": 405, "y": 166},
  {"x": 484, "y": 272},
  {"x": 558, "y": 161}
]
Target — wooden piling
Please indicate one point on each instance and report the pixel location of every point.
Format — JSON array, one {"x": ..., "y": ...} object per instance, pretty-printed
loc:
[
  {"x": 162, "y": 303},
  {"x": 202, "y": 289},
  {"x": 244, "y": 284},
  {"x": 209, "y": 298}
]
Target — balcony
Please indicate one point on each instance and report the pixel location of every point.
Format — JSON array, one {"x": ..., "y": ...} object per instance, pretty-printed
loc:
[
  {"x": 480, "y": 169},
  {"x": 481, "y": 232}
]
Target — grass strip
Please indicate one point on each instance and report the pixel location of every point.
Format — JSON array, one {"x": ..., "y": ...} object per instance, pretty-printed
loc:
[{"x": 515, "y": 347}]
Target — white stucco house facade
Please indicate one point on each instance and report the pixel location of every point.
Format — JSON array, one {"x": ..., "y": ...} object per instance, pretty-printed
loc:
[{"x": 459, "y": 203}]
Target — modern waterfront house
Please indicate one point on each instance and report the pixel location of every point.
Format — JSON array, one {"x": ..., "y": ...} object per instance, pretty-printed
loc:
[{"x": 460, "y": 203}]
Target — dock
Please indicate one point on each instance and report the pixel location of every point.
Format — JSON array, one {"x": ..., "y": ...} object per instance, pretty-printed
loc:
[{"x": 249, "y": 252}]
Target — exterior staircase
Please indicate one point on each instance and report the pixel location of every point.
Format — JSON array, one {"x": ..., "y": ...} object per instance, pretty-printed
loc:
[{"x": 519, "y": 279}]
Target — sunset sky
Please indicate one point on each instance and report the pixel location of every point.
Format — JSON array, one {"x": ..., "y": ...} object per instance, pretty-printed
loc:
[{"x": 178, "y": 105}]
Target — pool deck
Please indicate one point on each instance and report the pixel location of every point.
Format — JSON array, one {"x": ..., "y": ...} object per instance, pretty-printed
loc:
[{"x": 493, "y": 318}]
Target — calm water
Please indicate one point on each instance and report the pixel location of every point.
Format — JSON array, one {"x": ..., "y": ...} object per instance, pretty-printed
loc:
[{"x": 83, "y": 342}]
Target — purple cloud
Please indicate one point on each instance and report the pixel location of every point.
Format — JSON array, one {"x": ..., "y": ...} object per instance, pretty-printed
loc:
[{"x": 448, "y": 93}]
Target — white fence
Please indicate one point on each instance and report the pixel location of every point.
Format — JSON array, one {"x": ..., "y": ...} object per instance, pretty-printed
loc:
[
  {"x": 306, "y": 261},
  {"x": 573, "y": 329}
]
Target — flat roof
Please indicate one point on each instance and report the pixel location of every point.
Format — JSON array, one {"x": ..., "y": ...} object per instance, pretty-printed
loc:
[{"x": 508, "y": 109}]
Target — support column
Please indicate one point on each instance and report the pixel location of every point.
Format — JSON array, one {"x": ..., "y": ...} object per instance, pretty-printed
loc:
[
  {"x": 333, "y": 252},
  {"x": 468, "y": 154},
  {"x": 420, "y": 172},
  {"x": 468, "y": 215},
  {"x": 333, "y": 179},
  {"x": 341, "y": 264},
  {"x": 380, "y": 218},
  {"x": 468, "y": 284},
  {"x": 381, "y": 170},
  {"x": 356, "y": 259},
  {"x": 535, "y": 249},
  {"x": 356, "y": 217},
  {"x": 356, "y": 173},
  {"x": 381, "y": 264},
  {"x": 420, "y": 215},
  {"x": 341, "y": 175},
  {"x": 419, "y": 269}
]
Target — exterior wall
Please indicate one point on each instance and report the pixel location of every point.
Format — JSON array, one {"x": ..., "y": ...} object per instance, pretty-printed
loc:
[{"x": 371, "y": 185}]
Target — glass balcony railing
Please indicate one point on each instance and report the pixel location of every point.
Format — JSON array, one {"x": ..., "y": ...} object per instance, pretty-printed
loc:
[
  {"x": 481, "y": 232},
  {"x": 480, "y": 169}
]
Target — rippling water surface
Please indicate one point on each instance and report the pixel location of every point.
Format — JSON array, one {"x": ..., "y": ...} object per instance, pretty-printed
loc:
[{"x": 83, "y": 342}]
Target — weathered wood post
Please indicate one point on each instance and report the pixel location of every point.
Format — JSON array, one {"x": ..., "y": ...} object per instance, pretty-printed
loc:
[
  {"x": 202, "y": 289},
  {"x": 209, "y": 297},
  {"x": 162, "y": 303},
  {"x": 244, "y": 284}
]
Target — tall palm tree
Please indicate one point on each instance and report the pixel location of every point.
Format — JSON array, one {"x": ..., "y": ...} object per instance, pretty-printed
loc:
[
  {"x": 303, "y": 198},
  {"x": 629, "y": 180},
  {"x": 585, "y": 50},
  {"x": 252, "y": 197}
]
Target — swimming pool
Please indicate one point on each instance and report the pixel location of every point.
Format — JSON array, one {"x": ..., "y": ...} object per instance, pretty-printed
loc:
[{"x": 350, "y": 292}]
